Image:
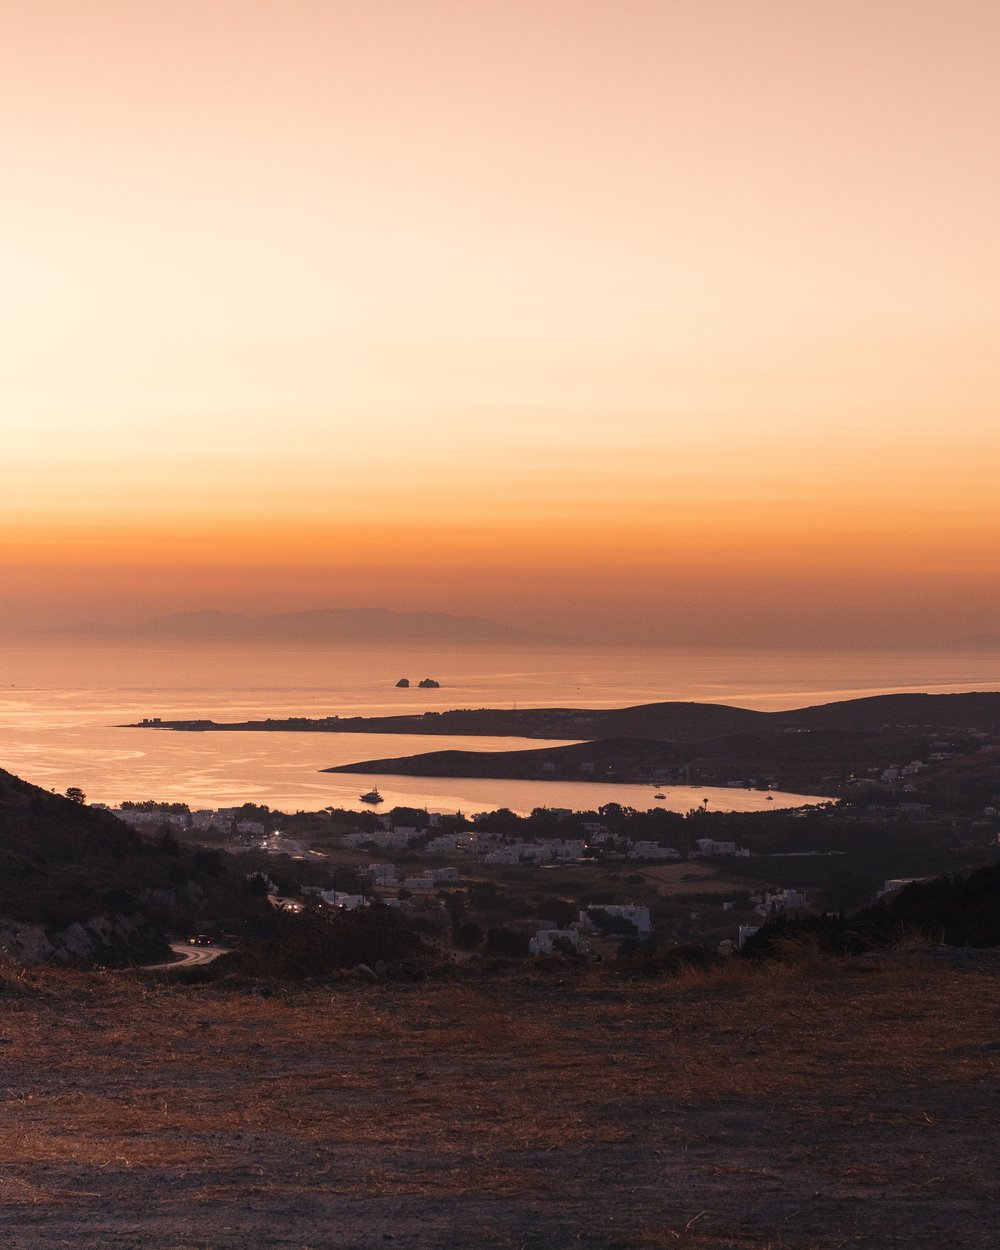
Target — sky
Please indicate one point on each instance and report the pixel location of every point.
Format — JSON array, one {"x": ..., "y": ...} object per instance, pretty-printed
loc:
[{"x": 656, "y": 321}]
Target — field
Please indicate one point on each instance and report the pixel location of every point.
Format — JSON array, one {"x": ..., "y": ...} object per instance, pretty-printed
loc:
[
  {"x": 820, "y": 1105},
  {"x": 693, "y": 878}
]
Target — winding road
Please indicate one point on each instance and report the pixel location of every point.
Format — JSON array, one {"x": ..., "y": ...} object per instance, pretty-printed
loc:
[{"x": 190, "y": 956}]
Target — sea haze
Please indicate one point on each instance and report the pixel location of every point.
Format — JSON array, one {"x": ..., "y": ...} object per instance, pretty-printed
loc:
[{"x": 61, "y": 703}]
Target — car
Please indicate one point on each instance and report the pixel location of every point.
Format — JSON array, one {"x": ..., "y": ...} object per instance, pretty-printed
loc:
[{"x": 200, "y": 939}]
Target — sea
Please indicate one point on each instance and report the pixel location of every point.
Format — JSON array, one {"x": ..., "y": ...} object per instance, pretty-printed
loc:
[{"x": 65, "y": 704}]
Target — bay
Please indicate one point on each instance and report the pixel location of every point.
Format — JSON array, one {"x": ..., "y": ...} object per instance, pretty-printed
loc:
[{"x": 62, "y": 702}]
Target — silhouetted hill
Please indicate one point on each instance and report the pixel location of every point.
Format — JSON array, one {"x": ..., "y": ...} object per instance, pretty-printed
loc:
[
  {"x": 952, "y": 910},
  {"x": 978, "y": 710},
  {"x": 666, "y": 722},
  {"x": 64, "y": 864},
  {"x": 797, "y": 761},
  {"x": 324, "y": 624}
]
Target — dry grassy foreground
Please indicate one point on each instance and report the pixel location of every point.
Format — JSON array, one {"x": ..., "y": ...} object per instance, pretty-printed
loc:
[{"x": 806, "y": 1109}]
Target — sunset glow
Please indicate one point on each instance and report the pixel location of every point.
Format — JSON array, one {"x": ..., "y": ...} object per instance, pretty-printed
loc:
[{"x": 655, "y": 320}]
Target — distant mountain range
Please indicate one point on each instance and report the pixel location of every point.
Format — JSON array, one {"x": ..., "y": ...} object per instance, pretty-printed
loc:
[
  {"x": 974, "y": 642},
  {"x": 321, "y": 624}
]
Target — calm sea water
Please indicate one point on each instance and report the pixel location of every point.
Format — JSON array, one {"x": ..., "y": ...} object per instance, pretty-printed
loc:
[{"x": 61, "y": 703}]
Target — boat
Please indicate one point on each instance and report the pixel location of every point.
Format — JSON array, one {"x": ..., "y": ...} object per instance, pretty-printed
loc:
[
  {"x": 769, "y": 798},
  {"x": 659, "y": 796},
  {"x": 372, "y": 796}
]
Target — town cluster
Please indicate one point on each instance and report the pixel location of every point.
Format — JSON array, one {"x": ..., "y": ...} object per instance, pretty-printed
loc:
[{"x": 497, "y": 848}]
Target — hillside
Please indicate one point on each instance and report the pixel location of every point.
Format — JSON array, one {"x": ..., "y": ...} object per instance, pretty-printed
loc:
[
  {"x": 792, "y": 761},
  {"x": 978, "y": 710},
  {"x": 81, "y": 881},
  {"x": 738, "y": 755}
]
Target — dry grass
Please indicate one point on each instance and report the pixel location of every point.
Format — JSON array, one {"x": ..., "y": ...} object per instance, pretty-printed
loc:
[
  {"x": 691, "y": 879},
  {"x": 804, "y": 1106}
]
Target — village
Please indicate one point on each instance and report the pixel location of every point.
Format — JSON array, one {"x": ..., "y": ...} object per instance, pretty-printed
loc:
[{"x": 583, "y": 884}]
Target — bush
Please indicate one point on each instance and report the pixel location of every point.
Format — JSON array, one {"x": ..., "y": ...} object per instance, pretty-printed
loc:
[
  {"x": 504, "y": 943},
  {"x": 314, "y": 943},
  {"x": 645, "y": 959}
]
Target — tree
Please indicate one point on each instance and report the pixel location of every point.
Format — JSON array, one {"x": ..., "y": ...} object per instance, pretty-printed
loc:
[
  {"x": 454, "y": 905},
  {"x": 610, "y": 925},
  {"x": 468, "y": 935},
  {"x": 76, "y": 795},
  {"x": 559, "y": 910},
  {"x": 483, "y": 894}
]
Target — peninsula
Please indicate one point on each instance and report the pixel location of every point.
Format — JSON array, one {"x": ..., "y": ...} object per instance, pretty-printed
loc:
[
  {"x": 822, "y": 749},
  {"x": 674, "y": 721}
]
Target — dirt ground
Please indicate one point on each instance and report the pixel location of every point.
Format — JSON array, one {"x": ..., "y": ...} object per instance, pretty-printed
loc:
[
  {"x": 693, "y": 878},
  {"x": 847, "y": 1105}
]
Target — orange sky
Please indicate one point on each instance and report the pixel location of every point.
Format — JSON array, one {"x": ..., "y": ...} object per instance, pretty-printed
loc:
[{"x": 673, "y": 320}]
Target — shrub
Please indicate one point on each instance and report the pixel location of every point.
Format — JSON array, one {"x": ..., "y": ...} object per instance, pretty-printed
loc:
[{"x": 314, "y": 943}]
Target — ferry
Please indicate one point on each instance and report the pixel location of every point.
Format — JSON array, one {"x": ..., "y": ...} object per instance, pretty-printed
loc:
[{"x": 372, "y": 796}]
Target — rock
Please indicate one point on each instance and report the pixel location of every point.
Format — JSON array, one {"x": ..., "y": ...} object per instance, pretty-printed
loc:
[
  {"x": 403, "y": 683},
  {"x": 429, "y": 683},
  {"x": 105, "y": 941}
]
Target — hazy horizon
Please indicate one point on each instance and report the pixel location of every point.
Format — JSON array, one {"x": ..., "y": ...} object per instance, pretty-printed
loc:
[
  {"x": 384, "y": 627},
  {"x": 658, "y": 322}
]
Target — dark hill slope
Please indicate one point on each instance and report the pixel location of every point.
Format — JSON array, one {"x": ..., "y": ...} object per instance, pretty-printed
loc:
[
  {"x": 951, "y": 910},
  {"x": 796, "y": 759},
  {"x": 59, "y": 860},
  {"x": 978, "y": 710},
  {"x": 63, "y": 864}
]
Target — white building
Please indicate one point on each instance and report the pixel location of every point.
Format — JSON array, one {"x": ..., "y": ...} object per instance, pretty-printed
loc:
[
  {"x": 783, "y": 900},
  {"x": 708, "y": 846},
  {"x": 651, "y": 850},
  {"x": 506, "y": 854},
  {"x": 478, "y": 841},
  {"x": 384, "y": 839},
  {"x": 336, "y": 898},
  {"x": 639, "y": 916},
  {"x": 137, "y": 819},
  {"x": 543, "y": 943}
]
